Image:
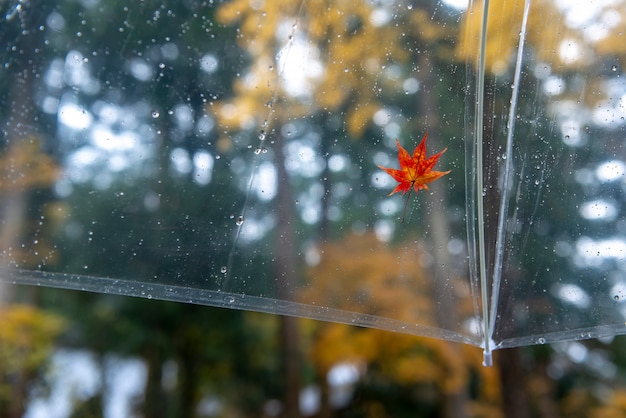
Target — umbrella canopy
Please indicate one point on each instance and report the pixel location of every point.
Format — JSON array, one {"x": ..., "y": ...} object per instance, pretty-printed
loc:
[{"x": 229, "y": 155}]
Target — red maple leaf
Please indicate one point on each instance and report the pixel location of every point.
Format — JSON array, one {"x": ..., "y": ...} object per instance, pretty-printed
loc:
[{"x": 414, "y": 171}]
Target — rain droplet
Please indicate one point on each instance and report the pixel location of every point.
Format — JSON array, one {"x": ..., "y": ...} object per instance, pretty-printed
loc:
[
  {"x": 155, "y": 114},
  {"x": 229, "y": 299},
  {"x": 541, "y": 340},
  {"x": 616, "y": 297},
  {"x": 17, "y": 10},
  {"x": 239, "y": 220},
  {"x": 614, "y": 68},
  {"x": 262, "y": 135},
  {"x": 257, "y": 151},
  {"x": 224, "y": 269}
]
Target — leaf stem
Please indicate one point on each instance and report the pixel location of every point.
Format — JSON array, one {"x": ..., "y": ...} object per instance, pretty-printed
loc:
[{"x": 406, "y": 203}]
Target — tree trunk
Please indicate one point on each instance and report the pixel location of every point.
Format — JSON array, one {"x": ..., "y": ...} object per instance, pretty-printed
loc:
[
  {"x": 26, "y": 64},
  {"x": 154, "y": 402},
  {"x": 454, "y": 404},
  {"x": 514, "y": 383},
  {"x": 286, "y": 277},
  {"x": 188, "y": 360}
]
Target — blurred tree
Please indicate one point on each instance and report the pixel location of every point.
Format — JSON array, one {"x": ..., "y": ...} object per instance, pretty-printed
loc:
[
  {"x": 579, "y": 60},
  {"x": 503, "y": 34},
  {"x": 26, "y": 175},
  {"x": 21, "y": 134},
  {"x": 29, "y": 213},
  {"x": 337, "y": 67},
  {"x": 210, "y": 353},
  {"x": 146, "y": 73},
  {"x": 27, "y": 338},
  {"x": 419, "y": 372},
  {"x": 154, "y": 226},
  {"x": 612, "y": 44}
]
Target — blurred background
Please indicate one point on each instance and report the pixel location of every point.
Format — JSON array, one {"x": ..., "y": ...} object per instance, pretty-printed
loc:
[{"x": 233, "y": 147}]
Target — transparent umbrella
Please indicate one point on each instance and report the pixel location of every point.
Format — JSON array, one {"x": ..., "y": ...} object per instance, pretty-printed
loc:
[{"x": 227, "y": 155}]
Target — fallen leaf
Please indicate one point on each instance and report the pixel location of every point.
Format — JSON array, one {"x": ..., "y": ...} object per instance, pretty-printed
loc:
[{"x": 414, "y": 171}]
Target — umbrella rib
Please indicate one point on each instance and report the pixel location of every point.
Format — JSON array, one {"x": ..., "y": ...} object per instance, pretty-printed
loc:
[
  {"x": 478, "y": 134},
  {"x": 500, "y": 238}
]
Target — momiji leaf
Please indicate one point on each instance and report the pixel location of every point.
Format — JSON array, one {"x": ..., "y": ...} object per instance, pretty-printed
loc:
[{"x": 414, "y": 171}]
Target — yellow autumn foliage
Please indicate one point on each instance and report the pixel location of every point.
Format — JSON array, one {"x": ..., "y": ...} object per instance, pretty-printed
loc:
[
  {"x": 362, "y": 274},
  {"x": 548, "y": 35},
  {"x": 346, "y": 42},
  {"x": 503, "y": 33},
  {"x": 23, "y": 166},
  {"x": 612, "y": 41},
  {"x": 27, "y": 336},
  {"x": 614, "y": 407}
]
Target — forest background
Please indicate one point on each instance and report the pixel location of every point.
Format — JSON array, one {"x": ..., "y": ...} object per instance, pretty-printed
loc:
[{"x": 128, "y": 136}]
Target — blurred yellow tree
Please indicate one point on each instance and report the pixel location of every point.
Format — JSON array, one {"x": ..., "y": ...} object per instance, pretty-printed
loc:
[
  {"x": 586, "y": 401},
  {"x": 24, "y": 168},
  {"x": 27, "y": 335},
  {"x": 343, "y": 52},
  {"x": 330, "y": 60},
  {"x": 614, "y": 44},
  {"x": 557, "y": 36},
  {"x": 503, "y": 33},
  {"x": 615, "y": 406},
  {"x": 361, "y": 274}
]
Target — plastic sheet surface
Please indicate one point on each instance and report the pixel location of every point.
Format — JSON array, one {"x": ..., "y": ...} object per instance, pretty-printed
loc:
[{"x": 227, "y": 154}]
